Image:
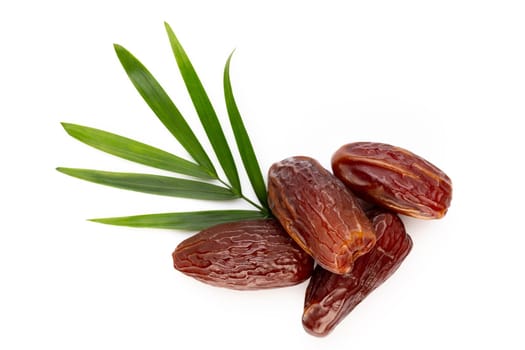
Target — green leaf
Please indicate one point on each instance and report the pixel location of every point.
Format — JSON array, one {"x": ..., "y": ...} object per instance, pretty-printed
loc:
[
  {"x": 205, "y": 110},
  {"x": 159, "y": 101},
  {"x": 154, "y": 184},
  {"x": 134, "y": 151},
  {"x": 191, "y": 221},
  {"x": 243, "y": 140}
]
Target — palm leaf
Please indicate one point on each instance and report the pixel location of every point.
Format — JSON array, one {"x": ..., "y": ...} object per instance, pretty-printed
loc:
[
  {"x": 201, "y": 167},
  {"x": 159, "y": 101},
  {"x": 153, "y": 184},
  {"x": 191, "y": 221},
  {"x": 205, "y": 110},
  {"x": 134, "y": 151},
  {"x": 244, "y": 144}
]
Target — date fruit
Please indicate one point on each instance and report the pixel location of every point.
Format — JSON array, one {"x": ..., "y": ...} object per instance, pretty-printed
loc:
[
  {"x": 330, "y": 297},
  {"x": 244, "y": 255},
  {"x": 394, "y": 178},
  {"x": 319, "y": 213}
]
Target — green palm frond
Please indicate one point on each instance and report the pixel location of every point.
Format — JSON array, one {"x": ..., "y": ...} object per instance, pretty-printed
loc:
[{"x": 209, "y": 186}]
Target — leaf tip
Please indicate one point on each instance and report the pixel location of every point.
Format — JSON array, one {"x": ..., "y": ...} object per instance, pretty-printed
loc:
[
  {"x": 64, "y": 170},
  {"x": 118, "y": 48},
  {"x": 66, "y": 126},
  {"x": 169, "y": 30},
  {"x": 227, "y": 66}
]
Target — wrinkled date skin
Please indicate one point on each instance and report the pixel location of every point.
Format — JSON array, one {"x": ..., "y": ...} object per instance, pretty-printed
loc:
[
  {"x": 244, "y": 255},
  {"x": 319, "y": 213},
  {"x": 394, "y": 178},
  {"x": 330, "y": 297}
]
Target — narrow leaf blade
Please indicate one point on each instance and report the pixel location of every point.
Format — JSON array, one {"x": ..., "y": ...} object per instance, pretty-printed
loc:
[
  {"x": 205, "y": 110},
  {"x": 190, "y": 221},
  {"x": 160, "y": 103},
  {"x": 153, "y": 184},
  {"x": 134, "y": 151},
  {"x": 244, "y": 144}
]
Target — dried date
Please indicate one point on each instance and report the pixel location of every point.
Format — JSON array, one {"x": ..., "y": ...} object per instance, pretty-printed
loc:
[
  {"x": 394, "y": 178},
  {"x": 244, "y": 255},
  {"x": 331, "y": 297},
  {"x": 319, "y": 213}
]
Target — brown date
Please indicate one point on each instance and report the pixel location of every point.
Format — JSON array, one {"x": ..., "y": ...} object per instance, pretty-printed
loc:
[
  {"x": 330, "y": 297},
  {"x": 244, "y": 255},
  {"x": 394, "y": 178},
  {"x": 319, "y": 213}
]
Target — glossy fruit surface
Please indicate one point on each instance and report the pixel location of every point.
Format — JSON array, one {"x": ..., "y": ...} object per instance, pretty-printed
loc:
[{"x": 319, "y": 213}]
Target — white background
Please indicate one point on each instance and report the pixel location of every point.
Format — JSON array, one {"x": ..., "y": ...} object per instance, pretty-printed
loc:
[{"x": 445, "y": 79}]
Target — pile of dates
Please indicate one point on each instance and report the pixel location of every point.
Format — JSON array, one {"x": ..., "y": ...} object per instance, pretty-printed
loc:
[{"x": 341, "y": 230}]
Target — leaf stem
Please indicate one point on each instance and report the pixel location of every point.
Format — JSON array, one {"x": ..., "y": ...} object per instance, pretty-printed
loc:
[{"x": 263, "y": 210}]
